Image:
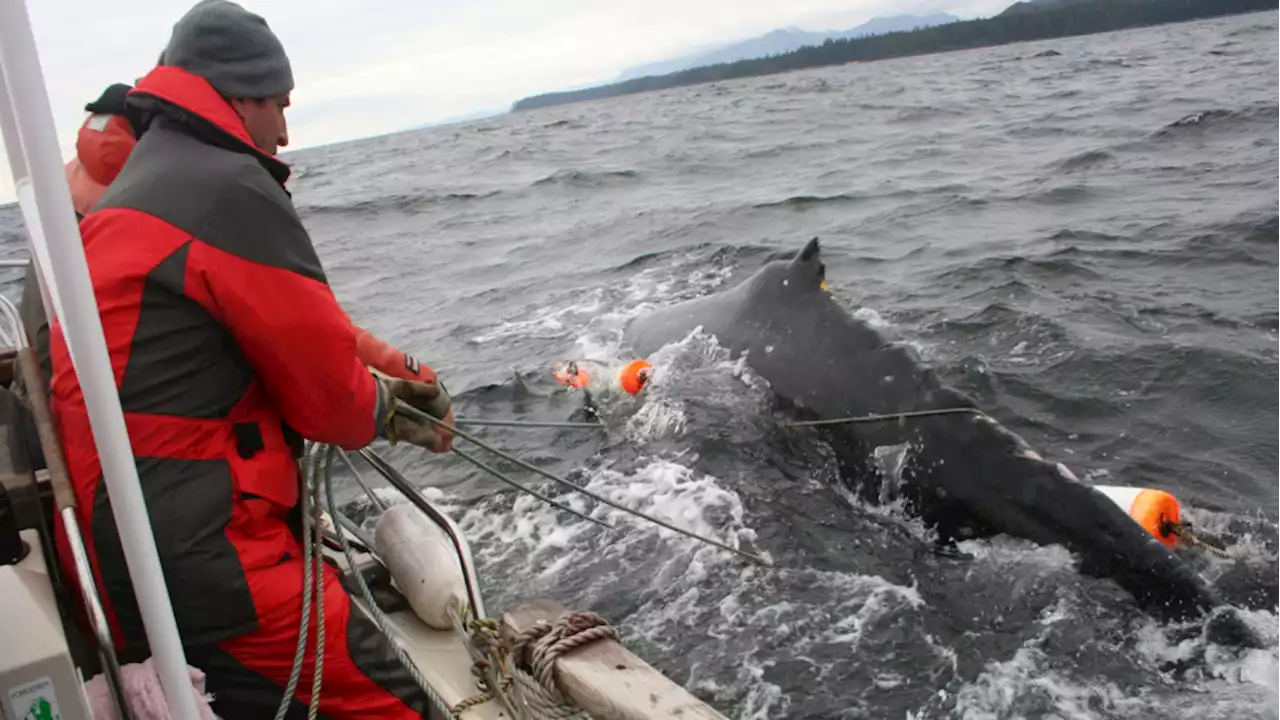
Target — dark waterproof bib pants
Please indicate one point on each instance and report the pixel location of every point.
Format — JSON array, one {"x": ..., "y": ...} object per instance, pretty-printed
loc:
[{"x": 225, "y": 339}]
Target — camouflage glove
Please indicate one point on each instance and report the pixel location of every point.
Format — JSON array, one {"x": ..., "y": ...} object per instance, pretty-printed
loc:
[{"x": 431, "y": 398}]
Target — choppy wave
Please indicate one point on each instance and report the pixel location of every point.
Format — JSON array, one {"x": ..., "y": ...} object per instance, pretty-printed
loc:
[
  {"x": 1084, "y": 160},
  {"x": 1087, "y": 245},
  {"x": 800, "y": 201},
  {"x": 587, "y": 178},
  {"x": 390, "y": 204},
  {"x": 1255, "y": 29},
  {"x": 1218, "y": 120}
]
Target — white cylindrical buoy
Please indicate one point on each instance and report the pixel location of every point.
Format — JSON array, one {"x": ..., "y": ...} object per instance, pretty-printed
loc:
[
  {"x": 1155, "y": 510},
  {"x": 423, "y": 563}
]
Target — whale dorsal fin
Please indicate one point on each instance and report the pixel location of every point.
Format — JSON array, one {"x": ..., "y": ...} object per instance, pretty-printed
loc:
[
  {"x": 808, "y": 263},
  {"x": 810, "y": 251}
]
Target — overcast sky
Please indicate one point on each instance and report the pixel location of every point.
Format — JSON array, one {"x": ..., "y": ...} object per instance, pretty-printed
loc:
[{"x": 367, "y": 67}]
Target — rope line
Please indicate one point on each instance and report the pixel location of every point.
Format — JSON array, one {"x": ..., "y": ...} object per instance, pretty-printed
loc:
[
  {"x": 422, "y": 417},
  {"x": 303, "y": 625},
  {"x": 1187, "y": 535},
  {"x": 317, "y": 556},
  {"x": 501, "y": 476},
  {"x": 373, "y": 497},
  {"x": 464, "y": 422},
  {"x": 855, "y": 419}
]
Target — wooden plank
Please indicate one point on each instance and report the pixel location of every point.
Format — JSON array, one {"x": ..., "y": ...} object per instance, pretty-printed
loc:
[
  {"x": 608, "y": 680},
  {"x": 33, "y": 382}
]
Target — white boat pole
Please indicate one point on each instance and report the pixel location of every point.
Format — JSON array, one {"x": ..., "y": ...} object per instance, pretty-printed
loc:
[
  {"x": 45, "y": 192},
  {"x": 9, "y": 131},
  {"x": 18, "y": 169}
]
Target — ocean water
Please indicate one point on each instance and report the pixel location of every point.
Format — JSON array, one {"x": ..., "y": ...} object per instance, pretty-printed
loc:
[{"x": 1086, "y": 243}]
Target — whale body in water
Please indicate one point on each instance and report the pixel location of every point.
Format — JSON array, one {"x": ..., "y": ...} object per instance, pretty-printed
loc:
[{"x": 964, "y": 474}]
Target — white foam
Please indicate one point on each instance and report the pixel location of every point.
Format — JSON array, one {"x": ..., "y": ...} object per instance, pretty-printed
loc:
[
  {"x": 549, "y": 321},
  {"x": 764, "y": 699},
  {"x": 657, "y": 418},
  {"x": 871, "y": 317},
  {"x": 1006, "y": 688},
  {"x": 1231, "y": 681},
  {"x": 608, "y": 312},
  {"x": 882, "y": 599}
]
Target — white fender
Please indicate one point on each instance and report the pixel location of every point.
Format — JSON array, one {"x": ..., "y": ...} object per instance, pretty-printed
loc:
[
  {"x": 1149, "y": 508},
  {"x": 423, "y": 564}
]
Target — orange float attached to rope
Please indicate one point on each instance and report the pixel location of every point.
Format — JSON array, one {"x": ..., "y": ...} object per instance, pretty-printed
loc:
[
  {"x": 634, "y": 376},
  {"x": 1155, "y": 510},
  {"x": 571, "y": 376}
]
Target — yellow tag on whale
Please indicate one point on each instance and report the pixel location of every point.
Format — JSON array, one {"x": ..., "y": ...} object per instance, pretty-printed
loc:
[{"x": 823, "y": 285}]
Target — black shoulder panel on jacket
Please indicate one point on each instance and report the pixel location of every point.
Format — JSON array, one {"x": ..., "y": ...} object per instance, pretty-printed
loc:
[
  {"x": 181, "y": 360},
  {"x": 224, "y": 198},
  {"x": 254, "y": 219}
]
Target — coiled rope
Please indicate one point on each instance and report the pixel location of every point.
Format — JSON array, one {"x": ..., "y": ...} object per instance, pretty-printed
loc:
[{"x": 545, "y": 644}]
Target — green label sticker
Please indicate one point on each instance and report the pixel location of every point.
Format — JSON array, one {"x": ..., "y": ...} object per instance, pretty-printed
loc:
[{"x": 35, "y": 700}]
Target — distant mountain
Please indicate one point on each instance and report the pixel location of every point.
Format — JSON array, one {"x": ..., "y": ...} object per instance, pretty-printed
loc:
[
  {"x": 783, "y": 41},
  {"x": 1026, "y": 6},
  {"x": 1051, "y": 19}
]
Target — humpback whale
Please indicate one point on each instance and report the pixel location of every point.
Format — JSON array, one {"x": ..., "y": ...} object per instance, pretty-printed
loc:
[{"x": 963, "y": 474}]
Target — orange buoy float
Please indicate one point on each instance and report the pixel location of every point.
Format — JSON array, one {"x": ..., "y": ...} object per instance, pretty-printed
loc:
[
  {"x": 1155, "y": 510},
  {"x": 634, "y": 376},
  {"x": 572, "y": 376}
]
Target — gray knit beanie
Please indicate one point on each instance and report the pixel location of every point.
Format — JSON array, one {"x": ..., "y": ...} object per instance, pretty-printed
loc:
[{"x": 232, "y": 48}]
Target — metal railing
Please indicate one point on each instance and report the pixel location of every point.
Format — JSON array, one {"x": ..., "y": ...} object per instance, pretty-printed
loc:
[{"x": 64, "y": 499}]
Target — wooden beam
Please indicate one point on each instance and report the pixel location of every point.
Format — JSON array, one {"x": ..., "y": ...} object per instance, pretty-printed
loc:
[{"x": 606, "y": 679}]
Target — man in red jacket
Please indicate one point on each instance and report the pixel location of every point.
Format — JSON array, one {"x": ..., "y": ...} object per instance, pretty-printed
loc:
[
  {"x": 103, "y": 145},
  {"x": 227, "y": 345}
]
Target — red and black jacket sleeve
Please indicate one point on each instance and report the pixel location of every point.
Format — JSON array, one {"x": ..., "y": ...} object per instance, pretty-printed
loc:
[
  {"x": 388, "y": 359},
  {"x": 275, "y": 301}
]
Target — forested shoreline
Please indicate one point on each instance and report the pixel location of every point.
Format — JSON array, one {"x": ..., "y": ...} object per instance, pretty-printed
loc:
[{"x": 1018, "y": 24}]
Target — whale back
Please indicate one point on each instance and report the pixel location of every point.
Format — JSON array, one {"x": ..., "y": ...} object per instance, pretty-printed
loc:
[
  {"x": 967, "y": 475},
  {"x": 800, "y": 339}
]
